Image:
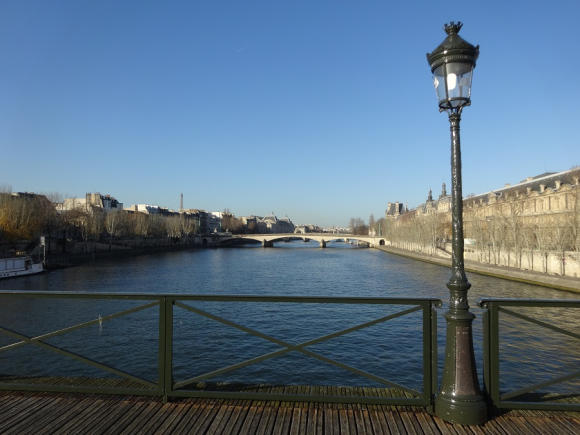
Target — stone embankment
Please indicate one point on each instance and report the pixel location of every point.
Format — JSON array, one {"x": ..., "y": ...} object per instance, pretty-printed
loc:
[{"x": 528, "y": 277}]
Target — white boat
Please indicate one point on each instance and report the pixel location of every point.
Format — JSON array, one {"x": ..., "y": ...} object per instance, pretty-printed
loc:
[{"x": 17, "y": 266}]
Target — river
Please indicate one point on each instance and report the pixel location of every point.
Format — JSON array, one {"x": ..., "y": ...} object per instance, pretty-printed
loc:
[{"x": 391, "y": 350}]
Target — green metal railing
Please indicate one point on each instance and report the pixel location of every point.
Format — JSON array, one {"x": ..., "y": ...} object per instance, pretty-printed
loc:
[
  {"x": 166, "y": 386},
  {"x": 522, "y": 397}
]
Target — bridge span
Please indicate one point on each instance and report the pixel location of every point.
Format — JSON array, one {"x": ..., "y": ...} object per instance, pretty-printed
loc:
[{"x": 267, "y": 240}]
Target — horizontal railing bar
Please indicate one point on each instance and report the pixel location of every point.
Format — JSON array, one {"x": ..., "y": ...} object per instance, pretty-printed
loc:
[
  {"x": 226, "y": 298},
  {"x": 569, "y": 303},
  {"x": 558, "y": 380},
  {"x": 548, "y": 406},
  {"x": 78, "y": 357},
  {"x": 54, "y": 388},
  {"x": 298, "y": 397},
  {"x": 540, "y": 323},
  {"x": 79, "y": 326},
  {"x": 81, "y": 295}
]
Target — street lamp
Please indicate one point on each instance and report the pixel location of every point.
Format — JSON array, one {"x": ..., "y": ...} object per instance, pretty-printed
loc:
[{"x": 460, "y": 399}]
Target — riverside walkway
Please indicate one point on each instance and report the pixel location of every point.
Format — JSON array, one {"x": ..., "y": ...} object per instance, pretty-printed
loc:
[{"x": 26, "y": 412}]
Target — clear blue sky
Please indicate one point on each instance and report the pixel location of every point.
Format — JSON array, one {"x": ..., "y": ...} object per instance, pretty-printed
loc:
[{"x": 320, "y": 110}]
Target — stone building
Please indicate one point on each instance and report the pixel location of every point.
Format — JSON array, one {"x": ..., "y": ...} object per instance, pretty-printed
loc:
[
  {"x": 534, "y": 224},
  {"x": 273, "y": 224},
  {"x": 91, "y": 200}
]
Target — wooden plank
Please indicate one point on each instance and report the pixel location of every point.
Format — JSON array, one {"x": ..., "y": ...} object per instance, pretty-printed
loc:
[
  {"x": 36, "y": 410},
  {"x": 571, "y": 423},
  {"x": 219, "y": 423},
  {"x": 40, "y": 415},
  {"x": 409, "y": 426},
  {"x": 508, "y": 427},
  {"x": 394, "y": 421},
  {"x": 300, "y": 425},
  {"x": 283, "y": 418},
  {"x": 209, "y": 409},
  {"x": 427, "y": 423},
  {"x": 377, "y": 420},
  {"x": 133, "y": 413},
  {"x": 69, "y": 414},
  {"x": 188, "y": 420},
  {"x": 61, "y": 413},
  {"x": 143, "y": 416},
  {"x": 239, "y": 416},
  {"x": 95, "y": 414},
  {"x": 266, "y": 425},
  {"x": 105, "y": 416},
  {"x": 331, "y": 419},
  {"x": 343, "y": 423},
  {"x": 100, "y": 425},
  {"x": 295, "y": 419},
  {"x": 21, "y": 404},
  {"x": 176, "y": 412}
]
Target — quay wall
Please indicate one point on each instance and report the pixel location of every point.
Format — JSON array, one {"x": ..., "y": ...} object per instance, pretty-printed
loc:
[{"x": 442, "y": 256}]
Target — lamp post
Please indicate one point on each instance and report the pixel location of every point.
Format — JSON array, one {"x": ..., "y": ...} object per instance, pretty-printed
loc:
[{"x": 460, "y": 399}]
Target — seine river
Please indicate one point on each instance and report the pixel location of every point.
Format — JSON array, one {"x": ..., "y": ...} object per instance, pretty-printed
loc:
[{"x": 391, "y": 350}]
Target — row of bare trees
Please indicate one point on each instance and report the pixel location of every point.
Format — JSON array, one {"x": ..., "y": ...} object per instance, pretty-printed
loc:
[
  {"x": 425, "y": 233},
  {"x": 358, "y": 226},
  {"x": 507, "y": 232},
  {"x": 26, "y": 218}
]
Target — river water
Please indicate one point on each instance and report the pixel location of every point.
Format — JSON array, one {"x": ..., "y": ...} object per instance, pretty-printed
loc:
[{"x": 391, "y": 350}]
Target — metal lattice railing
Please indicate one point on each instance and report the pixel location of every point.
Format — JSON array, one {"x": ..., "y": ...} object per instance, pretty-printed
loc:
[
  {"x": 166, "y": 386},
  {"x": 522, "y": 398}
]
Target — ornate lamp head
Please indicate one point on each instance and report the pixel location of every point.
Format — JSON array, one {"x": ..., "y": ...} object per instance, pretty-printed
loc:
[{"x": 452, "y": 64}]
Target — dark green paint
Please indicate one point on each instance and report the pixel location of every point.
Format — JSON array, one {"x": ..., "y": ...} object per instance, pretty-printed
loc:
[
  {"x": 492, "y": 353},
  {"x": 167, "y": 387}
]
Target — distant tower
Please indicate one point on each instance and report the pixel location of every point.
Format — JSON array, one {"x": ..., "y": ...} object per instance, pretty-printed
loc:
[
  {"x": 181, "y": 203},
  {"x": 443, "y": 190},
  {"x": 430, "y": 196}
]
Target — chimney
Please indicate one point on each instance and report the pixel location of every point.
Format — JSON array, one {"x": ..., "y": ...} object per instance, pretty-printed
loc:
[
  {"x": 528, "y": 190},
  {"x": 558, "y": 184},
  {"x": 542, "y": 188}
]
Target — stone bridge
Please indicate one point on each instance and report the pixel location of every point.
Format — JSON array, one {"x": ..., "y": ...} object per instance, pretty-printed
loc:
[{"x": 267, "y": 240}]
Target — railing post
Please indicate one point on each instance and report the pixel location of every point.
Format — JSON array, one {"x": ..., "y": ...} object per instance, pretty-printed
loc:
[
  {"x": 427, "y": 356},
  {"x": 486, "y": 354},
  {"x": 494, "y": 354},
  {"x": 434, "y": 353},
  {"x": 161, "y": 350},
  {"x": 169, "y": 301},
  {"x": 165, "y": 346}
]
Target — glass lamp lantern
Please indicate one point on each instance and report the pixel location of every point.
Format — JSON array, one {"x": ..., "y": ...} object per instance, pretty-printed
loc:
[{"x": 452, "y": 64}]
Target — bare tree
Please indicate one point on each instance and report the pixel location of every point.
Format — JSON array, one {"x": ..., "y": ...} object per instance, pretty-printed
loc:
[{"x": 112, "y": 223}]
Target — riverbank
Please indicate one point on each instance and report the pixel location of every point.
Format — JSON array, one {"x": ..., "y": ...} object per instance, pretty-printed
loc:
[
  {"x": 60, "y": 261},
  {"x": 528, "y": 277}
]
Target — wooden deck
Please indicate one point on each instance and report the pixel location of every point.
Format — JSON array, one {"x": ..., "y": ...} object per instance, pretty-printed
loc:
[{"x": 26, "y": 412}]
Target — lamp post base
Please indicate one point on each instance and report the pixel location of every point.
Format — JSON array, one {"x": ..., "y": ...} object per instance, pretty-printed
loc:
[
  {"x": 462, "y": 410},
  {"x": 460, "y": 400}
]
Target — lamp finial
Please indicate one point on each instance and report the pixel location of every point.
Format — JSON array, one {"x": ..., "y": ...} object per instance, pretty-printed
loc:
[{"x": 453, "y": 28}]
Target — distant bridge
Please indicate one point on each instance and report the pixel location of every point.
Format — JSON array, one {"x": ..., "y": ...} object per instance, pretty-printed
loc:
[{"x": 267, "y": 240}]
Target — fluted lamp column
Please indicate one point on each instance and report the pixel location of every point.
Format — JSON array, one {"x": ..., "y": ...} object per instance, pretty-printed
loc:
[{"x": 460, "y": 399}]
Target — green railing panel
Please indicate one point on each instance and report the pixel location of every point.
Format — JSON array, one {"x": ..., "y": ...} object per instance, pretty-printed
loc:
[
  {"x": 166, "y": 386},
  {"x": 492, "y": 356},
  {"x": 126, "y": 384}
]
